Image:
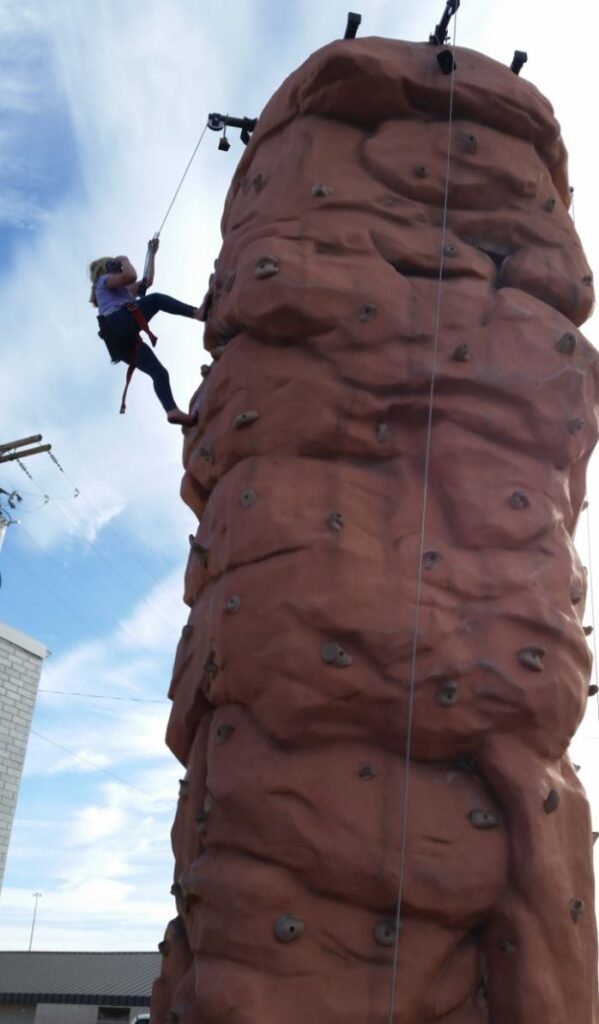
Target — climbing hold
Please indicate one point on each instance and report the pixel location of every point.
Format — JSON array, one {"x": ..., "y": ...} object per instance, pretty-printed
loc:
[
  {"x": 199, "y": 550},
  {"x": 482, "y": 819},
  {"x": 576, "y": 910},
  {"x": 228, "y": 279},
  {"x": 259, "y": 182},
  {"x": 247, "y": 498},
  {"x": 207, "y": 455},
  {"x": 450, "y": 250},
  {"x": 164, "y": 947},
  {"x": 205, "y": 369},
  {"x": 595, "y": 836},
  {"x": 549, "y": 205},
  {"x": 431, "y": 559},
  {"x": 383, "y": 433},
  {"x": 593, "y": 690},
  {"x": 447, "y": 695},
  {"x": 202, "y": 822},
  {"x": 233, "y": 604},
  {"x": 368, "y": 313},
  {"x": 532, "y": 658},
  {"x": 576, "y": 593},
  {"x": 384, "y": 932},
  {"x": 587, "y": 630},
  {"x": 552, "y": 802},
  {"x": 566, "y": 344},
  {"x": 366, "y": 772},
  {"x": 186, "y": 631},
  {"x": 183, "y": 788},
  {"x": 321, "y": 191},
  {"x": 244, "y": 419},
  {"x": 574, "y": 426},
  {"x": 210, "y": 670},
  {"x": 333, "y": 654},
  {"x": 335, "y": 521},
  {"x": 224, "y": 733},
  {"x": 266, "y": 266},
  {"x": 461, "y": 354},
  {"x": 420, "y": 171},
  {"x": 519, "y": 500},
  {"x": 468, "y": 143},
  {"x": 507, "y": 947},
  {"x": 176, "y": 889},
  {"x": 218, "y": 352},
  {"x": 587, "y": 279},
  {"x": 288, "y": 928}
]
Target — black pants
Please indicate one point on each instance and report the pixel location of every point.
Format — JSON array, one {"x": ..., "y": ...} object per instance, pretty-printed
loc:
[{"x": 121, "y": 334}]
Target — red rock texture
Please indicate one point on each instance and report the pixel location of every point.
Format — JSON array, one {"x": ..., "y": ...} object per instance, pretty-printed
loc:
[{"x": 292, "y": 678}]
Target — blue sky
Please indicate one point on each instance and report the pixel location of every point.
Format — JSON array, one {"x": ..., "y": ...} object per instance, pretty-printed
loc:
[{"x": 100, "y": 107}]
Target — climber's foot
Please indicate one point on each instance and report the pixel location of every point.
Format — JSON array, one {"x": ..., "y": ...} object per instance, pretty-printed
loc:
[{"x": 182, "y": 419}]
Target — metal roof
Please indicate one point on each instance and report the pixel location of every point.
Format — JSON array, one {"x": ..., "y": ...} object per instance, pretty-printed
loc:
[{"x": 112, "y": 979}]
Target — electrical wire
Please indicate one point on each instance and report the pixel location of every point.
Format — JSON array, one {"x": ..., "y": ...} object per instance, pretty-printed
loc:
[
  {"x": 101, "y": 696},
  {"x": 69, "y": 608},
  {"x": 68, "y": 572},
  {"x": 98, "y": 768},
  {"x": 94, "y": 545},
  {"x": 425, "y": 483},
  {"x": 110, "y": 529}
]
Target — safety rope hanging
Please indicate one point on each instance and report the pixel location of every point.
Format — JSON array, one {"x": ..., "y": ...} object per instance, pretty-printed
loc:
[
  {"x": 592, "y": 593},
  {"x": 452, "y": 7}
]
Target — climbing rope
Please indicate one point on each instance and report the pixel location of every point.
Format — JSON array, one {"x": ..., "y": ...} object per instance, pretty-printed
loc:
[
  {"x": 183, "y": 177},
  {"x": 592, "y": 592},
  {"x": 412, "y": 686}
]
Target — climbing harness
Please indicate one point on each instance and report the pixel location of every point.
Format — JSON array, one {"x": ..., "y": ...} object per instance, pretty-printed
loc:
[
  {"x": 142, "y": 325},
  {"x": 441, "y": 30}
]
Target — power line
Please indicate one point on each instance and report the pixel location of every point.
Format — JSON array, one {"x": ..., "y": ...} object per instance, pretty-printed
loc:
[
  {"x": 98, "y": 768},
  {"x": 93, "y": 544},
  {"x": 64, "y": 569},
  {"x": 68, "y": 607},
  {"x": 102, "y": 696},
  {"x": 110, "y": 529}
]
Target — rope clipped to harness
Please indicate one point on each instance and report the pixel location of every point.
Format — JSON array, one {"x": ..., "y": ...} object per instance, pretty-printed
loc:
[{"x": 143, "y": 325}]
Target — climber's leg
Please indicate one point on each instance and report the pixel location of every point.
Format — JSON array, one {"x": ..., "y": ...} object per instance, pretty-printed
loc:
[
  {"x": 147, "y": 362},
  {"x": 152, "y": 304}
]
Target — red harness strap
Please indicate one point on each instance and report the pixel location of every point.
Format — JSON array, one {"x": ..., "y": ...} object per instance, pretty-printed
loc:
[{"x": 143, "y": 325}]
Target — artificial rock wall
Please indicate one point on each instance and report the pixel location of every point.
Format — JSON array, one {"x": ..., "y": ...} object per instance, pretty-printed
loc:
[{"x": 291, "y": 681}]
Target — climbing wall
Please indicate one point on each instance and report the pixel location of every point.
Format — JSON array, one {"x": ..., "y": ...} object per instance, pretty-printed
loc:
[{"x": 291, "y": 683}]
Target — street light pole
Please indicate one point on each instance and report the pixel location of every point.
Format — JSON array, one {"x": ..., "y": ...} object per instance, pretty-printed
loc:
[{"x": 36, "y": 896}]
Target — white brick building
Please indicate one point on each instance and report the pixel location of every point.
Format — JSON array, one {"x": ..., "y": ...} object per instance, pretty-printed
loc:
[{"x": 21, "y": 660}]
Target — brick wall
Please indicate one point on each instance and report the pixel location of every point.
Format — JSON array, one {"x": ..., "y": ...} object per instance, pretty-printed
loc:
[{"x": 21, "y": 662}]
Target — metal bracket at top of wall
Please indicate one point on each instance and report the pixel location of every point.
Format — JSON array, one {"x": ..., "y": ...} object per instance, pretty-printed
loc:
[
  {"x": 220, "y": 123},
  {"x": 440, "y": 36},
  {"x": 353, "y": 23}
]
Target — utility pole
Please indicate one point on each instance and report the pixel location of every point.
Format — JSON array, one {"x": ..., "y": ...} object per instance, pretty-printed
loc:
[
  {"x": 16, "y": 449},
  {"x": 36, "y": 896}
]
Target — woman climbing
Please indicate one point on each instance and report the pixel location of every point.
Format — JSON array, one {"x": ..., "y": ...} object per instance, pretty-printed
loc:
[{"x": 123, "y": 310}]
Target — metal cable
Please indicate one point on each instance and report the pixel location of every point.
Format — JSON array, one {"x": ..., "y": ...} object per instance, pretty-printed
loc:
[{"x": 412, "y": 687}]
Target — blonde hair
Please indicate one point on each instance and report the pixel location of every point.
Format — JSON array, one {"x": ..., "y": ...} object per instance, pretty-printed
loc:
[{"x": 96, "y": 269}]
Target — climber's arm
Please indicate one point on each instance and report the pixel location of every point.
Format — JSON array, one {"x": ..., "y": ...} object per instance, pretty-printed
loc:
[{"x": 123, "y": 278}]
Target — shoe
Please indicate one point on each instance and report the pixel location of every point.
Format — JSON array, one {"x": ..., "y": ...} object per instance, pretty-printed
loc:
[{"x": 182, "y": 419}]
